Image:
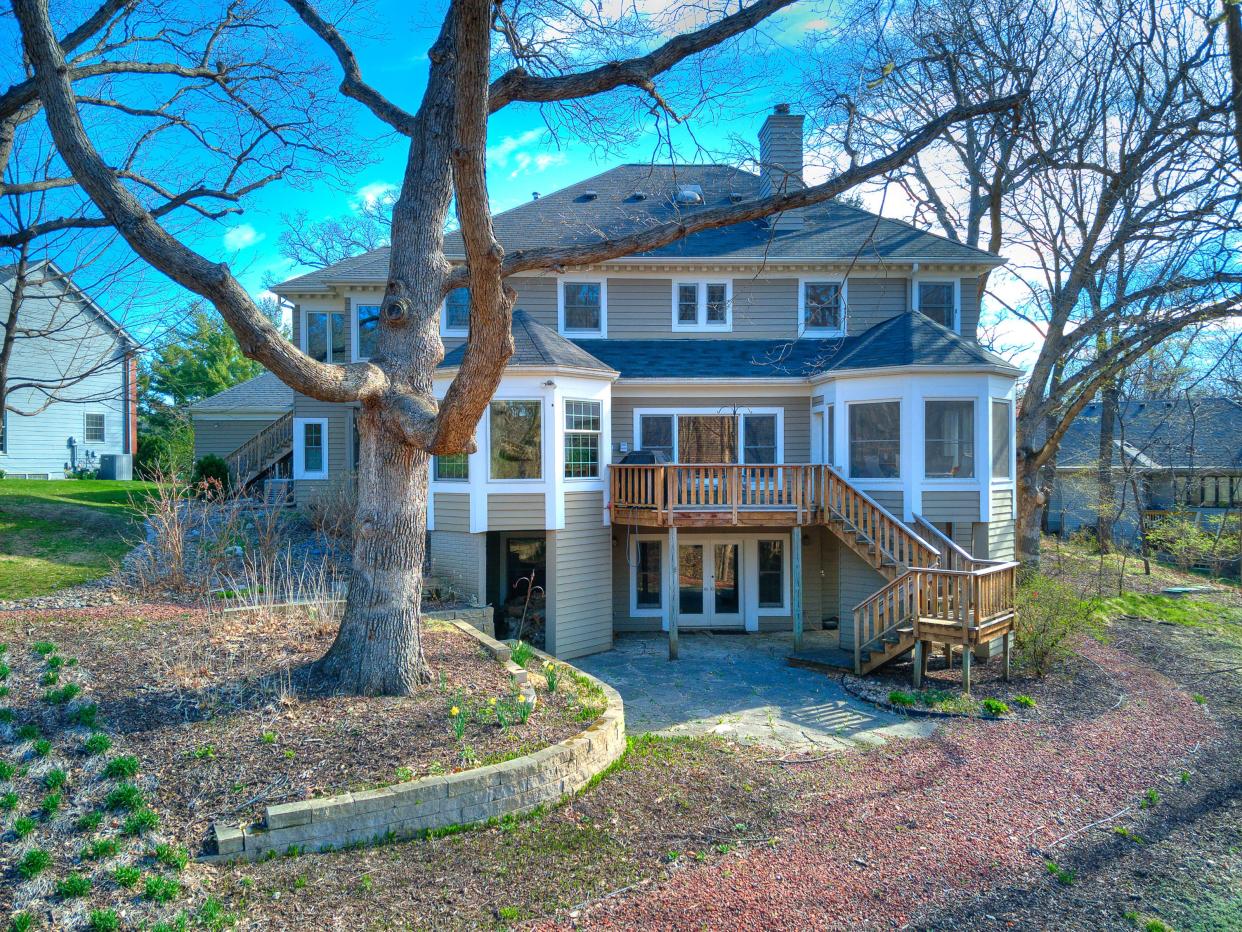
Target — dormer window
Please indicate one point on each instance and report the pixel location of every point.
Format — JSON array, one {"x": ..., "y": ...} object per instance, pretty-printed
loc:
[
  {"x": 703, "y": 305},
  {"x": 822, "y": 307},
  {"x": 582, "y": 307},
  {"x": 938, "y": 300}
]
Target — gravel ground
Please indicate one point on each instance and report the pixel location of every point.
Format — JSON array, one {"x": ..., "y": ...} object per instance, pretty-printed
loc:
[{"x": 889, "y": 834}]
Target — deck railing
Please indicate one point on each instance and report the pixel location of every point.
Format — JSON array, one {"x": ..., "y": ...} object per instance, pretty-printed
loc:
[{"x": 261, "y": 450}]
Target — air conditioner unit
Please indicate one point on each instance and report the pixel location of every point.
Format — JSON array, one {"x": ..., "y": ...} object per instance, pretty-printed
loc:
[{"x": 116, "y": 466}]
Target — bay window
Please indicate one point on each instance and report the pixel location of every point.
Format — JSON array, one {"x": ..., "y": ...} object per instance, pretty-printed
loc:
[
  {"x": 368, "y": 329},
  {"x": 582, "y": 307},
  {"x": 582, "y": 430},
  {"x": 453, "y": 467},
  {"x": 516, "y": 440},
  {"x": 949, "y": 439},
  {"x": 875, "y": 440},
  {"x": 1000, "y": 440}
]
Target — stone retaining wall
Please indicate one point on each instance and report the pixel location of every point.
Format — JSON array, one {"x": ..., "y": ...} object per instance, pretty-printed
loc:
[{"x": 406, "y": 809}]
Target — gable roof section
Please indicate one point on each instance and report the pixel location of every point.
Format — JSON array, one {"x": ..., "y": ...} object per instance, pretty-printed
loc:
[
  {"x": 539, "y": 346},
  {"x": 263, "y": 393},
  {"x": 1158, "y": 433},
  {"x": 71, "y": 288},
  {"x": 631, "y": 198}
]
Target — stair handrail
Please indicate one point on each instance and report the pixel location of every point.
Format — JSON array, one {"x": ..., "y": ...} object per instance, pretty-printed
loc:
[
  {"x": 909, "y": 577},
  {"x": 830, "y": 471},
  {"x": 960, "y": 554},
  {"x": 275, "y": 436}
]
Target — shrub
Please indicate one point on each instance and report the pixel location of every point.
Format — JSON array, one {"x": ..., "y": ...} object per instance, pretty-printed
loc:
[
  {"x": 161, "y": 889},
  {"x": 55, "y": 779},
  {"x": 1024, "y": 702},
  {"x": 84, "y": 715},
  {"x": 23, "y": 826},
  {"x": 144, "y": 820},
  {"x": 1050, "y": 615},
  {"x": 21, "y": 922},
  {"x": 995, "y": 707},
  {"x": 34, "y": 863},
  {"x": 899, "y": 698},
  {"x": 104, "y": 920},
  {"x": 7, "y": 770},
  {"x": 125, "y": 796},
  {"x": 126, "y": 876},
  {"x": 9, "y": 801},
  {"x": 211, "y": 472},
  {"x": 42, "y": 747},
  {"x": 98, "y": 743},
  {"x": 331, "y": 512},
  {"x": 51, "y": 804},
  {"x": 122, "y": 767},
  {"x": 73, "y": 885}
]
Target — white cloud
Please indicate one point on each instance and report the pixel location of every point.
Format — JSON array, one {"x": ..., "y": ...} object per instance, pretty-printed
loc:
[
  {"x": 501, "y": 153},
  {"x": 241, "y": 236},
  {"x": 370, "y": 194}
]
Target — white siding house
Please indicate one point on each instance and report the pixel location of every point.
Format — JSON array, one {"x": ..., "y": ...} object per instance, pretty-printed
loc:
[{"x": 71, "y": 381}]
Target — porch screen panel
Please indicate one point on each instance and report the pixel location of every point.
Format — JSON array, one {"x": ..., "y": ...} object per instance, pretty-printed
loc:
[
  {"x": 759, "y": 432},
  {"x": 1000, "y": 440},
  {"x": 655, "y": 432},
  {"x": 516, "y": 442},
  {"x": 706, "y": 439},
  {"x": 949, "y": 427},
  {"x": 875, "y": 440}
]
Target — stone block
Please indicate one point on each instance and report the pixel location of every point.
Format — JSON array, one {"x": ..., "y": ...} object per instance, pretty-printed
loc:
[
  {"x": 369, "y": 801},
  {"x": 285, "y": 815},
  {"x": 331, "y": 807},
  {"x": 229, "y": 840}
]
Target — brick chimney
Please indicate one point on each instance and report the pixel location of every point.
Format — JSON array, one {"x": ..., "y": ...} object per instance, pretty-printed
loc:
[{"x": 780, "y": 161}]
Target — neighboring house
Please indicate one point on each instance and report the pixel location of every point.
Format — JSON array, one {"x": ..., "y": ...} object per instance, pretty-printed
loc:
[
  {"x": 72, "y": 393},
  {"x": 1168, "y": 455},
  {"x": 746, "y": 358}
]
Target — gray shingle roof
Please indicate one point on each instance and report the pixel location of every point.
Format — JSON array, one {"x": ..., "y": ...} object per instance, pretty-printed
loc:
[
  {"x": 631, "y": 198},
  {"x": 537, "y": 345},
  {"x": 906, "y": 340},
  {"x": 1200, "y": 433},
  {"x": 263, "y": 392}
]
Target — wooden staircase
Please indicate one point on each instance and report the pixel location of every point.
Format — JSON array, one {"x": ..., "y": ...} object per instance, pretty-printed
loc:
[{"x": 262, "y": 453}]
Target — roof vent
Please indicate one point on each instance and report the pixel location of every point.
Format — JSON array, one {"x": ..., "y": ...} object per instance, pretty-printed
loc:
[
  {"x": 736, "y": 196},
  {"x": 590, "y": 195},
  {"x": 689, "y": 194},
  {"x": 640, "y": 195},
  {"x": 534, "y": 195}
]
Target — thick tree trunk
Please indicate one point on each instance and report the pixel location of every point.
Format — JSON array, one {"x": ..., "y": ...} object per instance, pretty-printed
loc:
[
  {"x": 1030, "y": 507},
  {"x": 379, "y": 648}
]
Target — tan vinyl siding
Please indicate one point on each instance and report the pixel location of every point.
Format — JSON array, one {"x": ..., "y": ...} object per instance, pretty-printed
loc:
[
  {"x": 518, "y": 512},
  {"x": 640, "y": 309},
  {"x": 221, "y": 436},
  {"x": 955, "y": 505},
  {"x": 452, "y": 511},
  {"x": 765, "y": 308},
  {"x": 460, "y": 559},
  {"x": 1000, "y": 534},
  {"x": 340, "y": 445},
  {"x": 579, "y": 580},
  {"x": 857, "y": 581},
  {"x": 970, "y": 307},
  {"x": 537, "y": 296},
  {"x": 872, "y": 300},
  {"x": 797, "y": 418},
  {"x": 891, "y": 499}
]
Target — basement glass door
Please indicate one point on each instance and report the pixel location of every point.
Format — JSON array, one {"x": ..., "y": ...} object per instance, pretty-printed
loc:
[{"x": 709, "y": 577}]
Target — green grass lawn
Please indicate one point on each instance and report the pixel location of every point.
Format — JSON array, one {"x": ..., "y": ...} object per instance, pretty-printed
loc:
[{"x": 60, "y": 533}]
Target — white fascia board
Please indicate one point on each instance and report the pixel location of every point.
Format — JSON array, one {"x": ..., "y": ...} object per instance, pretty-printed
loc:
[{"x": 610, "y": 375}]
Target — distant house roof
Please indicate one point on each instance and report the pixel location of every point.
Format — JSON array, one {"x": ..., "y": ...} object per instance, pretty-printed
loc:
[
  {"x": 123, "y": 336},
  {"x": 1158, "y": 433},
  {"x": 631, "y": 198},
  {"x": 536, "y": 345},
  {"x": 909, "y": 339},
  {"x": 263, "y": 393}
]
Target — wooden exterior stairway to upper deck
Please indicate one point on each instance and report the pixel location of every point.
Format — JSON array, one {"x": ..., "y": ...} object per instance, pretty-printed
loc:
[{"x": 261, "y": 452}]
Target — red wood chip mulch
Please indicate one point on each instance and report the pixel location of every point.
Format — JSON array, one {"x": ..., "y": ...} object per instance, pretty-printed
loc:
[{"x": 917, "y": 823}]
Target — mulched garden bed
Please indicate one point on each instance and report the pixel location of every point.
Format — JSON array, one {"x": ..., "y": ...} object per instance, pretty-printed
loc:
[
  {"x": 217, "y": 719},
  {"x": 1079, "y": 688}
]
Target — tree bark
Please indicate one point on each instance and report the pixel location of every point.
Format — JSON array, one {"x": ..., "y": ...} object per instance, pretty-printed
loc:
[
  {"x": 1106, "y": 496},
  {"x": 1030, "y": 506},
  {"x": 379, "y": 647}
]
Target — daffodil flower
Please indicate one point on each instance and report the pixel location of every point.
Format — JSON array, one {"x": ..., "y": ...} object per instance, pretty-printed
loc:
[{"x": 454, "y": 711}]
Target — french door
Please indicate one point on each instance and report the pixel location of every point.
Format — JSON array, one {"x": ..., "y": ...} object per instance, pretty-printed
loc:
[{"x": 709, "y": 572}]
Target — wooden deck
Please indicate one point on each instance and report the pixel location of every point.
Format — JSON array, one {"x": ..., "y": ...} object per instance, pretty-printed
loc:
[{"x": 936, "y": 593}]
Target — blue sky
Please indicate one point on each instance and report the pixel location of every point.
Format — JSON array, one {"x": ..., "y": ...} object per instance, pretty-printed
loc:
[{"x": 523, "y": 158}]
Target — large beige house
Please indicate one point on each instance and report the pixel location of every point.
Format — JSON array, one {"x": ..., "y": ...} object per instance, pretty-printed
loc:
[{"x": 783, "y": 425}]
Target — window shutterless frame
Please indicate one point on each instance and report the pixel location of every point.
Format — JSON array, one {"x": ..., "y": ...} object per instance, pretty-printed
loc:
[
  {"x": 94, "y": 427},
  {"x": 312, "y": 430},
  {"x": 922, "y": 302},
  {"x": 819, "y": 288},
  {"x": 452, "y": 308},
  {"x": 650, "y": 547},
  {"x": 701, "y": 304},
  {"x": 583, "y": 426},
  {"x": 563, "y": 325}
]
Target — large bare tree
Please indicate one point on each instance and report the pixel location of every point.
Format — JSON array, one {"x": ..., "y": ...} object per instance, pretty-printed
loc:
[
  {"x": 1114, "y": 190},
  {"x": 487, "y": 56}
]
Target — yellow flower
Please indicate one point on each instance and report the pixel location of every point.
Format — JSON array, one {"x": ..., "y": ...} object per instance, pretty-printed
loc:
[
  {"x": 492, "y": 700},
  {"x": 547, "y": 665},
  {"x": 522, "y": 698},
  {"x": 454, "y": 711}
]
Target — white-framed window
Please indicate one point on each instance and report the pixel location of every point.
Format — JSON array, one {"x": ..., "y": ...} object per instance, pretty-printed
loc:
[
  {"x": 455, "y": 313},
  {"x": 452, "y": 467},
  {"x": 582, "y": 307},
  {"x": 93, "y": 427},
  {"x": 4, "y": 431},
  {"x": 772, "y": 573},
  {"x": 583, "y": 420},
  {"x": 712, "y": 436},
  {"x": 875, "y": 439},
  {"x": 325, "y": 335},
  {"x": 515, "y": 440},
  {"x": 821, "y": 306},
  {"x": 647, "y": 576},
  {"x": 1002, "y": 450},
  {"x": 830, "y": 428},
  {"x": 939, "y": 299},
  {"x": 366, "y": 330},
  {"x": 702, "y": 305},
  {"x": 310, "y": 448},
  {"x": 949, "y": 438}
]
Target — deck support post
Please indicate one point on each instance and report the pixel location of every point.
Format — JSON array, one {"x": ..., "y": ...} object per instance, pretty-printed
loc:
[
  {"x": 674, "y": 593},
  {"x": 1006, "y": 652},
  {"x": 920, "y": 663},
  {"x": 967, "y": 657},
  {"x": 795, "y": 573}
]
